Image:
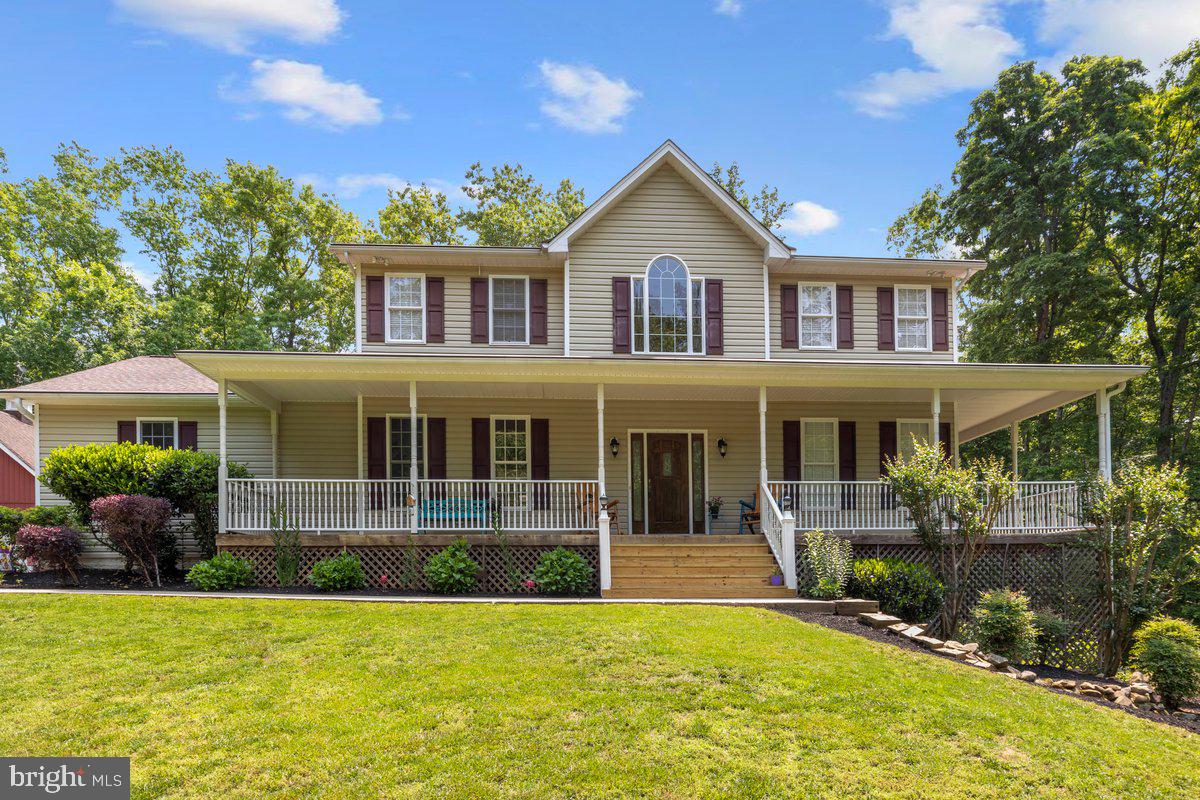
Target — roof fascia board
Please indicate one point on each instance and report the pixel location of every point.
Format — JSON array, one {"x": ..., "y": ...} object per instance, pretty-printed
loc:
[{"x": 5, "y": 449}]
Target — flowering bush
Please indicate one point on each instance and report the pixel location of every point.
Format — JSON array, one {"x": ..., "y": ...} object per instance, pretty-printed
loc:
[
  {"x": 562, "y": 572},
  {"x": 452, "y": 571},
  {"x": 51, "y": 547},
  {"x": 13, "y": 519},
  {"x": 136, "y": 527},
  {"x": 829, "y": 557}
]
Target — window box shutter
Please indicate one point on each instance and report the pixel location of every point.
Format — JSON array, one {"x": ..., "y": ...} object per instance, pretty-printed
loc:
[
  {"x": 791, "y": 451},
  {"x": 886, "y": 316},
  {"x": 435, "y": 310},
  {"x": 479, "y": 311},
  {"x": 435, "y": 447},
  {"x": 538, "y": 316},
  {"x": 845, "y": 317},
  {"x": 714, "y": 316},
  {"x": 188, "y": 435},
  {"x": 127, "y": 431},
  {"x": 789, "y": 316},
  {"x": 946, "y": 440},
  {"x": 539, "y": 460},
  {"x": 375, "y": 308},
  {"x": 481, "y": 448},
  {"x": 622, "y": 332},
  {"x": 941, "y": 319}
]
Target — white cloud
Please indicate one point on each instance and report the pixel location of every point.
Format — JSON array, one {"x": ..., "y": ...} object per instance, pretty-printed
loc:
[
  {"x": 141, "y": 275},
  {"x": 730, "y": 8},
  {"x": 349, "y": 185},
  {"x": 585, "y": 99},
  {"x": 235, "y": 24},
  {"x": 961, "y": 43},
  {"x": 307, "y": 94},
  {"x": 806, "y": 218},
  {"x": 1151, "y": 30}
]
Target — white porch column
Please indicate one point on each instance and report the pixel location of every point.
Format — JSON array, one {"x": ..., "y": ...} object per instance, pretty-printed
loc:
[
  {"x": 1104, "y": 429},
  {"x": 762, "y": 435},
  {"x": 274, "y": 444},
  {"x": 603, "y": 489},
  {"x": 605, "y": 544},
  {"x": 1014, "y": 436},
  {"x": 789, "y": 548},
  {"x": 412, "y": 450},
  {"x": 954, "y": 433},
  {"x": 360, "y": 497},
  {"x": 223, "y": 461},
  {"x": 37, "y": 453},
  {"x": 937, "y": 417},
  {"x": 357, "y": 309}
]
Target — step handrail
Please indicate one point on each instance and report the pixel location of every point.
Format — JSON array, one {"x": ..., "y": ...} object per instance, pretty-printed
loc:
[{"x": 779, "y": 528}]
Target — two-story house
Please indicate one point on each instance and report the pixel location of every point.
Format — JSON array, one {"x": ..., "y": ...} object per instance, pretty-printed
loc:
[{"x": 663, "y": 350}]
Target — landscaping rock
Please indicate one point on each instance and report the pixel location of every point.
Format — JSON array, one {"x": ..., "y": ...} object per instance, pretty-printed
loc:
[
  {"x": 1091, "y": 693},
  {"x": 912, "y": 632},
  {"x": 996, "y": 660},
  {"x": 979, "y": 662},
  {"x": 1185, "y": 715},
  {"x": 950, "y": 651},
  {"x": 1124, "y": 702},
  {"x": 929, "y": 642},
  {"x": 1064, "y": 684},
  {"x": 1027, "y": 676},
  {"x": 955, "y": 645},
  {"x": 877, "y": 620},
  {"x": 851, "y": 607},
  {"x": 898, "y": 628}
]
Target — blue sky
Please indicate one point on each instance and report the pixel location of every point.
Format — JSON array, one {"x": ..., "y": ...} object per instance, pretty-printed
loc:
[{"x": 849, "y": 107}]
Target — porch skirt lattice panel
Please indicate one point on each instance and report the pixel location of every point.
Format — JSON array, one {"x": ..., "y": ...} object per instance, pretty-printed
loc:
[
  {"x": 1059, "y": 577},
  {"x": 401, "y": 567}
]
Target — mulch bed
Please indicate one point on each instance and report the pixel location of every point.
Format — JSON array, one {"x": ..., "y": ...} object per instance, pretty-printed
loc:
[{"x": 853, "y": 626}]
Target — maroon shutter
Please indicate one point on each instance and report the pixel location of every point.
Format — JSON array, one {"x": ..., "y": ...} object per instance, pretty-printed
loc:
[
  {"x": 945, "y": 439},
  {"x": 479, "y": 311},
  {"x": 481, "y": 448},
  {"x": 941, "y": 319},
  {"x": 714, "y": 316},
  {"x": 887, "y": 444},
  {"x": 539, "y": 460},
  {"x": 127, "y": 431},
  {"x": 789, "y": 319},
  {"x": 845, "y": 317},
  {"x": 188, "y": 435},
  {"x": 886, "y": 317},
  {"x": 791, "y": 451},
  {"x": 622, "y": 333},
  {"x": 374, "y": 308},
  {"x": 847, "y": 451},
  {"x": 435, "y": 447},
  {"x": 377, "y": 447},
  {"x": 538, "y": 333},
  {"x": 435, "y": 310}
]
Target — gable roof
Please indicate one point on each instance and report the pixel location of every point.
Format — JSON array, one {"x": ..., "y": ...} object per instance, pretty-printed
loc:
[
  {"x": 670, "y": 153},
  {"x": 139, "y": 375},
  {"x": 16, "y": 438}
]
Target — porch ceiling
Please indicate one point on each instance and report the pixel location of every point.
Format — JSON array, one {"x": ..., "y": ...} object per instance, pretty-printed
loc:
[{"x": 986, "y": 397}]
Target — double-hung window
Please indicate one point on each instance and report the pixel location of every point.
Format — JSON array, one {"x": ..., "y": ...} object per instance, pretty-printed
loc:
[
  {"x": 162, "y": 433},
  {"x": 509, "y": 304},
  {"x": 510, "y": 447},
  {"x": 817, "y": 309},
  {"x": 406, "y": 308},
  {"x": 818, "y": 462},
  {"x": 668, "y": 309},
  {"x": 400, "y": 447},
  {"x": 912, "y": 318},
  {"x": 910, "y": 431}
]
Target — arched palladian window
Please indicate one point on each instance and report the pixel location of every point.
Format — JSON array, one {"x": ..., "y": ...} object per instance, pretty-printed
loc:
[{"x": 668, "y": 309}]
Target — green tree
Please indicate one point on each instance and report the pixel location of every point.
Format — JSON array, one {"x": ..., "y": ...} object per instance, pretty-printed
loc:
[
  {"x": 418, "y": 215},
  {"x": 513, "y": 209},
  {"x": 766, "y": 206}
]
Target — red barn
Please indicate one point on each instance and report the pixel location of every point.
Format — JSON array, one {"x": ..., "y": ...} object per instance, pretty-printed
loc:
[{"x": 17, "y": 482}]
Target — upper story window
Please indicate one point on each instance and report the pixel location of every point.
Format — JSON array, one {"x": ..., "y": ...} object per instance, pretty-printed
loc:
[
  {"x": 509, "y": 310},
  {"x": 406, "y": 308},
  {"x": 668, "y": 309},
  {"x": 162, "y": 433},
  {"x": 912, "y": 318},
  {"x": 816, "y": 315}
]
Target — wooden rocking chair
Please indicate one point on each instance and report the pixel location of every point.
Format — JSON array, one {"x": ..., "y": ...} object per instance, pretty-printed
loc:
[
  {"x": 751, "y": 512},
  {"x": 589, "y": 504}
]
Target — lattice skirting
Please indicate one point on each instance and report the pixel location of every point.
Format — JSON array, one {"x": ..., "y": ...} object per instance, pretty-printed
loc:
[
  {"x": 401, "y": 566},
  {"x": 1060, "y": 577}
]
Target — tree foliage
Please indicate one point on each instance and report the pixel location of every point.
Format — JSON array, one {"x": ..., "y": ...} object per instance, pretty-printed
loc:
[
  {"x": 511, "y": 208},
  {"x": 766, "y": 205}
]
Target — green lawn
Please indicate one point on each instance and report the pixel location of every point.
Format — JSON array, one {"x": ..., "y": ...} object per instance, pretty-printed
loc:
[{"x": 246, "y": 698}]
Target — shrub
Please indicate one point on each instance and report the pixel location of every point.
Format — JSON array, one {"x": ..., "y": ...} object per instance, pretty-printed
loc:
[
  {"x": 1052, "y": 632},
  {"x": 905, "y": 589},
  {"x": 452, "y": 571},
  {"x": 1169, "y": 649},
  {"x": 562, "y": 572},
  {"x": 285, "y": 536},
  {"x": 343, "y": 571},
  {"x": 829, "y": 558},
  {"x": 51, "y": 547},
  {"x": 1003, "y": 623},
  {"x": 135, "y": 526},
  {"x": 87, "y": 472},
  {"x": 188, "y": 479},
  {"x": 13, "y": 519},
  {"x": 222, "y": 571}
]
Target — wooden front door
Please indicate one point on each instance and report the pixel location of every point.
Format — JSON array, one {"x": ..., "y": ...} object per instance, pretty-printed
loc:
[{"x": 667, "y": 471}]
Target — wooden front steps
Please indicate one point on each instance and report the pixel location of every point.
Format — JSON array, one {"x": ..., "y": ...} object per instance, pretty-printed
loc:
[{"x": 683, "y": 566}]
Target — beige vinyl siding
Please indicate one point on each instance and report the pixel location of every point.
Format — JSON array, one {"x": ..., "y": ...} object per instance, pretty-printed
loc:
[
  {"x": 248, "y": 430},
  {"x": 866, "y": 320},
  {"x": 317, "y": 440},
  {"x": 665, "y": 214},
  {"x": 458, "y": 311}
]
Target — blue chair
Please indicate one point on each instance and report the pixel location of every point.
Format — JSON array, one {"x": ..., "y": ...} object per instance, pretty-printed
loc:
[{"x": 750, "y": 514}]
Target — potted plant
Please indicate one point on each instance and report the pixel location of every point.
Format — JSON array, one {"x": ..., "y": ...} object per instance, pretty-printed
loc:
[
  {"x": 714, "y": 506},
  {"x": 777, "y": 578}
]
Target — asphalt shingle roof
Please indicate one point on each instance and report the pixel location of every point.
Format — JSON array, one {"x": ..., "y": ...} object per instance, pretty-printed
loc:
[{"x": 139, "y": 375}]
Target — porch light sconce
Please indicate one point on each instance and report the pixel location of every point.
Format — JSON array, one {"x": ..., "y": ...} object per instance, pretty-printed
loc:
[
  {"x": 722, "y": 446},
  {"x": 614, "y": 446}
]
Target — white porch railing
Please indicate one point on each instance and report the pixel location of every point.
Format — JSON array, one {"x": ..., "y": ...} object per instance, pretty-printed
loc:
[
  {"x": 1037, "y": 507},
  {"x": 317, "y": 505},
  {"x": 778, "y": 527}
]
